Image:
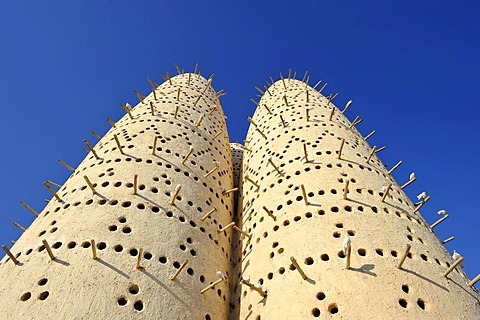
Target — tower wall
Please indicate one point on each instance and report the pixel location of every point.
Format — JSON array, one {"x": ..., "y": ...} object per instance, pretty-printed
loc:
[
  {"x": 122, "y": 224},
  {"x": 313, "y": 232}
]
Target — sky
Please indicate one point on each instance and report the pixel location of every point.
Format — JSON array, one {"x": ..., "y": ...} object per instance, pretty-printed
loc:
[{"x": 410, "y": 67}]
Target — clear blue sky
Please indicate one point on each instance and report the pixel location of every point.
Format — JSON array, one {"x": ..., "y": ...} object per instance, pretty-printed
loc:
[{"x": 411, "y": 68}]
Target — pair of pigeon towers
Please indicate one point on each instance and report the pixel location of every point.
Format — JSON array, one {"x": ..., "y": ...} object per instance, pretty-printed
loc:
[{"x": 165, "y": 219}]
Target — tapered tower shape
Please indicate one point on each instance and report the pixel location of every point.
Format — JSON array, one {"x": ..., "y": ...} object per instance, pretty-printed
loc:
[
  {"x": 151, "y": 197},
  {"x": 323, "y": 197}
]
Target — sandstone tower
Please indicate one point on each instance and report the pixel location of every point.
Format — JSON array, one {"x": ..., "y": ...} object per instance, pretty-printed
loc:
[
  {"x": 151, "y": 194},
  {"x": 150, "y": 225},
  {"x": 312, "y": 181}
]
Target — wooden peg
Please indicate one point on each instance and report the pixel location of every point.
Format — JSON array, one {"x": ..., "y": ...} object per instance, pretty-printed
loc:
[
  {"x": 349, "y": 103},
  {"x": 452, "y": 267},
  {"x": 306, "y": 92},
  {"x": 305, "y": 76},
  {"x": 421, "y": 204},
  {"x": 270, "y": 213},
  {"x": 285, "y": 99},
  {"x": 9, "y": 254},
  {"x": 227, "y": 192},
  {"x": 153, "y": 84},
  {"x": 371, "y": 154},
  {"x": 253, "y": 287},
  {"x": 357, "y": 121},
  {"x": 66, "y": 166},
  {"x": 154, "y": 149},
  {"x": 409, "y": 182},
  {"x": 341, "y": 148},
  {"x": 380, "y": 149},
  {"x": 321, "y": 89},
  {"x": 177, "y": 107},
  {"x": 259, "y": 90},
  {"x": 330, "y": 96},
  {"x": 475, "y": 280},
  {"x": 18, "y": 226},
  {"x": 216, "y": 135},
  {"x": 242, "y": 232},
  {"x": 297, "y": 266},
  {"x": 402, "y": 260},
  {"x": 94, "y": 249},
  {"x": 208, "y": 214},
  {"x": 154, "y": 95},
  {"x": 178, "y": 68},
  {"x": 369, "y": 135},
  {"x": 289, "y": 74},
  {"x": 111, "y": 122},
  {"x": 266, "y": 89},
  {"x": 89, "y": 146},
  {"x": 179, "y": 270},
  {"x": 245, "y": 148},
  {"x": 331, "y": 114},
  {"x": 251, "y": 121},
  {"x": 436, "y": 223},
  {"x": 139, "y": 96},
  {"x": 317, "y": 84},
  {"x": 135, "y": 184},
  {"x": 212, "y": 285},
  {"x": 95, "y": 135},
  {"x": 354, "y": 122},
  {"x": 118, "y": 144},
  {"x": 447, "y": 240},
  {"x": 261, "y": 132},
  {"x": 345, "y": 190},
  {"x": 385, "y": 194},
  {"x": 211, "y": 171},
  {"x": 35, "y": 213},
  {"x": 167, "y": 77},
  {"x": 152, "y": 109},
  {"x": 177, "y": 191},
  {"x": 349, "y": 254},
  {"x": 268, "y": 109},
  {"x": 190, "y": 151},
  {"x": 247, "y": 178},
  {"x": 196, "y": 69},
  {"x": 283, "y": 81},
  {"x": 52, "y": 192},
  {"x": 273, "y": 165},
  {"x": 304, "y": 194},
  {"x": 307, "y": 112},
  {"x": 209, "y": 83},
  {"x": 197, "y": 100},
  {"x": 126, "y": 109},
  {"x": 178, "y": 94},
  {"x": 139, "y": 259},
  {"x": 189, "y": 79},
  {"x": 199, "y": 121},
  {"x": 273, "y": 82},
  {"x": 90, "y": 185},
  {"x": 49, "y": 250},
  {"x": 53, "y": 184},
  {"x": 228, "y": 226},
  {"x": 395, "y": 167},
  {"x": 283, "y": 121},
  {"x": 305, "y": 153}
]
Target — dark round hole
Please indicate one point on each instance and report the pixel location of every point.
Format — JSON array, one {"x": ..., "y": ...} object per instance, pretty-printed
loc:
[
  {"x": 138, "y": 305},
  {"x": 26, "y": 296},
  {"x": 133, "y": 289},
  {"x": 118, "y": 248},
  {"x": 43, "y": 295},
  {"x": 122, "y": 301},
  {"x": 405, "y": 288},
  {"x": 316, "y": 312},
  {"x": 320, "y": 296},
  {"x": 162, "y": 260},
  {"x": 421, "y": 304},
  {"x": 333, "y": 308},
  {"x": 42, "y": 282},
  {"x": 402, "y": 303}
]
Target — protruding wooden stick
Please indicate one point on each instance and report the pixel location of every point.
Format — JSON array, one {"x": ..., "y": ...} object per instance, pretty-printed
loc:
[
  {"x": 316, "y": 85},
  {"x": 297, "y": 266},
  {"x": 345, "y": 190},
  {"x": 177, "y": 191},
  {"x": 331, "y": 114},
  {"x": 436, "y": 223},
  {"x": 283, "y": 81},
  {"x": 285, "y": 99},
  {"x": 270, "y": 213},
  {"x": 52, "y": 192},
  {"x": 247, "y": 178},
  {"x": 111, "y": 122},
  {"x": 253, "y": 287},
  {"x": 409, "y": 182},
  {"x": 153, "y": 84},
  {"x": 154, "y": 149},
  {"x": 369, "y": 135},
  {"x": 9, "y": 254},
  {"x": 273, "y": 165},
  {"x": 18, "y": 226},
  {"x": 329, "y": 99},
  {"x": 321, "y": 89},
  {"x": 305, "y": 153},
  {"x": 341, "y": 148},
  {"x": 49, "y": 250},
  {"x": 189, "y": 79},
  {"x": 226, "y": 192},
  {"x": 307, "y": 113},
  {"x": 126, "y": 109},
  {"x": 448, "y": 240},
  {"x": 95, "y": 134},
  {"x": 118, "y": 144},
  {"x": 349, "y": 103},
  {"x": 213, "y": 284},
  {"x": 66, "y": 166},
  {"x": 208, "y": 214},
  {"x": 349, "y": 254},
  {"x": 178, "y": 94},
  {"x": 90, "y": 185},
  {"x": 152, "y": 109},
  {"x": 402, "y": 260},
  {"x": 289, "y": 74},
  {"x": 421, "y": 204},
  {"x": 371, "y": 154},
  {"x": 94, "y": 249},
  {"x": 306, "y": 92},
  {"x": 190, "y": 151},
  {"x": 139, "y": 96},
  {"x": 196, "y": 69},
  {"x": 304, "y": 194},
  {"x": 228, "y": 226},
  {"x": 245, "y": 148},
  {"x": 139, "y": 259},
  {"x": 167, "y": 77},
  {"x": 354, "y": 122},
  {"x": 385, "y": 194},
  {"x": 35, "y": 213},
  {"x": 179, "y": 270},
  {"x": 199, "y": 121},
  {"x": 211, "y": 171},
  {"x": 475, "y": 280},
  {"x": 89, "y": 146},
  {"x": 242, "y": 232},
  {"x": 178, "y": 68},
  {"x": 212, "y": 110},
  {"x": 154, "y": 96},
  {"x": 454, "y": 264},
  {"x": 395, "y": 167},
  {"x": 268, "y": 109},
  {"x": 249, "y": 119},
  {"x": 283, "y": 121},
  {"x": 53, "y": 184},
  {"x": 177, "y": 107},
  {"x": 305, "y": 76},
  {"x": 261, "y": 132},
  {"x": 135, "y": 184},
  {"x": 266, "y": 89},
  {"x": 259, "y": 90},
  {"x": 380, "y": 149}
]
